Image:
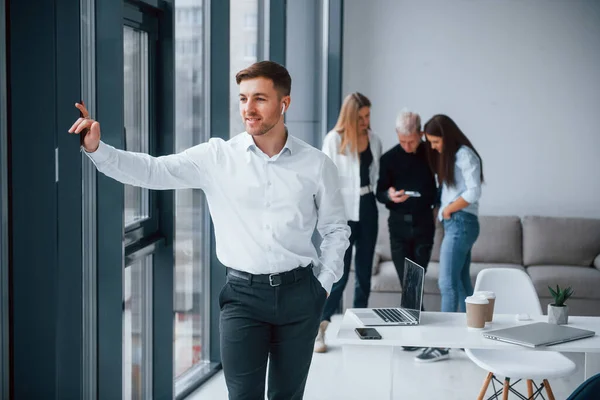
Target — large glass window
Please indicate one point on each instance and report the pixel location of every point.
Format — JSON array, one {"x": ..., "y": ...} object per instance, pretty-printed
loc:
[
  {"x": 243, "y": 44},
  {"x": 137, "y": 329},
  {"x": 191, "y": 296},
  {"x": 136, "y": 130},
  {"x": 137, "y": 276}
]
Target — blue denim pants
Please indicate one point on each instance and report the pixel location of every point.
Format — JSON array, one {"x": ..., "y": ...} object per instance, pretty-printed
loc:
[{"x": 460, "y": 233}]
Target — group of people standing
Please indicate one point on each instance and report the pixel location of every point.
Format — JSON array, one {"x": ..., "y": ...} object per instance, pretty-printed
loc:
[{"x": 434, "y": 172}]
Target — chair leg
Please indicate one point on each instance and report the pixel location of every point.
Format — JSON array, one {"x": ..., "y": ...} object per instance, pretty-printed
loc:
[
  {"x": 485, "y": 385},
  {"x": 548, "y": 390},
  {"x": 529, "y": 388},
  {"x": 506, "y": 389}
]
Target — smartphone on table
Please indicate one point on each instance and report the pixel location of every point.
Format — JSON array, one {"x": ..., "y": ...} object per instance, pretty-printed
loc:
[{"x": 367, "y": 333}]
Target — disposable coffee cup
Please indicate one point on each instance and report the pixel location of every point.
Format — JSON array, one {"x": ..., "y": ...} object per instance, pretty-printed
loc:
[
  {"x": 491, "y": 297},
  {"x": 476, "y": 311}
]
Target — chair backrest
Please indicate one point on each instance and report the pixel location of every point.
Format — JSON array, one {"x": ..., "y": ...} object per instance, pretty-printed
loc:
[
  {"x": 514, "y": 290},
  {"x": 588, "y": 390}
]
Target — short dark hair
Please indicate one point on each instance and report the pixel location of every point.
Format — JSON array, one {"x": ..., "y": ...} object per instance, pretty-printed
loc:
[{"x": 271, "y": 70}]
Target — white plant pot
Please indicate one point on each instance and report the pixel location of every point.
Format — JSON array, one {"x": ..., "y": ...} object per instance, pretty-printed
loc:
[{"x": 558, "y": 315}]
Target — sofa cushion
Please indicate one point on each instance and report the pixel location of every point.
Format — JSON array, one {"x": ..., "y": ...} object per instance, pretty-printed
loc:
[
  {"x": 499, "y": 240},
  {"x": 387, "y": 278},
  {"x": 560, "y": 241},
  {"x": 433, "y": 272},
  {"x": 437, "y": 241},
  {"x": 382, "y": 247},
  {"x": 585, "y": 281}
]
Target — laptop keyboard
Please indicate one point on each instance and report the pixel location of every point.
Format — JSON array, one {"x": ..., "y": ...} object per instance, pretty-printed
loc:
[{"x": 396, "y": 314}]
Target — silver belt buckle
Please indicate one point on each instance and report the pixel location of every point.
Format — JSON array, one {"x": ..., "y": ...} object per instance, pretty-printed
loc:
[{"x": 274, "y": 284}]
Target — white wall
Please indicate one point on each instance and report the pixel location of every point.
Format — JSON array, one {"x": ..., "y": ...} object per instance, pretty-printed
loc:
[{"x": 520, "y": 78}]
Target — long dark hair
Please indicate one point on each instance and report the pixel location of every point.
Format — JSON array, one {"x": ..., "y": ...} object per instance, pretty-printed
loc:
[{"x": 442, "y": 163}]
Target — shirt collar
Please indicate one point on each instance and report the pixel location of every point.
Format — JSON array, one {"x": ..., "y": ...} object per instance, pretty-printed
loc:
[{"x": 249, "y": 144}]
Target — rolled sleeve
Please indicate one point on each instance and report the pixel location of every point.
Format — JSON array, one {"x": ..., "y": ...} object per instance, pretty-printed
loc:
[
  {"x": 470, "y": 166},
  {"x": 331, "y": 225}
]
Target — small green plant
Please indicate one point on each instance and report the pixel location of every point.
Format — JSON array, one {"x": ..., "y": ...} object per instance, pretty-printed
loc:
[{"x": 560, "y": 295}]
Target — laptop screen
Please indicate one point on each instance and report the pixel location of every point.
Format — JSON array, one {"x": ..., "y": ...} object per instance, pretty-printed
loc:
[{"x": 412, "y": 286}]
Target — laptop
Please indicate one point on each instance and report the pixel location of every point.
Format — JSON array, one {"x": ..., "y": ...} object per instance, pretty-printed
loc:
[
  {"x": 409, "y": 312},
  {"x": 538, "y": 334}
]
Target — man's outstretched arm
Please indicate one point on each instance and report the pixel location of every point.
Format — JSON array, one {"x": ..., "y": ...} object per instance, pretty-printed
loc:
[{"x": 188, "y": 169}]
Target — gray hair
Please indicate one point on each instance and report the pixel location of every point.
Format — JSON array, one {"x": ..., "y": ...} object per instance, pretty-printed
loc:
[{"x": 408, "y": 122}]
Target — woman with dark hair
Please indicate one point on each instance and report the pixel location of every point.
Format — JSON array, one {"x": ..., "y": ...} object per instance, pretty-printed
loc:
[
  {"x": 355, "y": 150},
  {"x": 459, "y": 172}
]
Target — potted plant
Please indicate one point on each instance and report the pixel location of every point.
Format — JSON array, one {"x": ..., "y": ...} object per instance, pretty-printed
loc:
[{"x": 558, "y": 312}]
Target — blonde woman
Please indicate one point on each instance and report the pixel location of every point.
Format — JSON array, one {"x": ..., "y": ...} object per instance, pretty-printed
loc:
[{"x": 355, "y": 150}]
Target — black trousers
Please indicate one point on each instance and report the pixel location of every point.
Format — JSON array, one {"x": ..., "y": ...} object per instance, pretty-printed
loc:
[
  {"x": 411, "y": 235},
  {"x": 260, "y": 322},
  {"x": 364, "y": 237}
]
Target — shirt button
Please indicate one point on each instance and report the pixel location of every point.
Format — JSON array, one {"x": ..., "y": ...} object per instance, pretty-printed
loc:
[
  {"x": 268, "y": 204},
  {"x": 267, "y": 227},
  {"x": 269, "y": 183},
  {"x": 269, "y": 248}
]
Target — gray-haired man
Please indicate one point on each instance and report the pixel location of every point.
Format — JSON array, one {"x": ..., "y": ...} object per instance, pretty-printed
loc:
[{"x": 404, "y": 169}]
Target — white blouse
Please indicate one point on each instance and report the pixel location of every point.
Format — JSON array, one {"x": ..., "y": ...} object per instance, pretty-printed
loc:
[{"x": 348, "y": 165}]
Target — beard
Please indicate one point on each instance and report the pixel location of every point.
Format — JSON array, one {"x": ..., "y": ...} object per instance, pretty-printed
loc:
[{"x": 261, "y": 129}]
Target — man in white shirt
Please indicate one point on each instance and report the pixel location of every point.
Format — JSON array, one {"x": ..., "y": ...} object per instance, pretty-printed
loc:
[{"x": 267, "y": 192}]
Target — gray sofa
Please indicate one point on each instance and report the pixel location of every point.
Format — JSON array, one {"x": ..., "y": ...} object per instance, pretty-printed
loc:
[{"x": 563, "y": 251}]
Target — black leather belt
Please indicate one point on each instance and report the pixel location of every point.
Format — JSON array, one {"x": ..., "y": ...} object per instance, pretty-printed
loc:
[{"x": 282, "y": 278}]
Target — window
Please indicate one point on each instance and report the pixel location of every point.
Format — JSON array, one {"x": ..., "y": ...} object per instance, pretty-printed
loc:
[
  {"x": 243, "y": 52},
  {"x": 137, "y": 329},
  {"x": 250, "y": 21},
  {"x": 250, "y": 52},
  {"x": 136, "y": 130},
  {"x": 140, "y": 220},
  {"x": 191, "y": 269}
]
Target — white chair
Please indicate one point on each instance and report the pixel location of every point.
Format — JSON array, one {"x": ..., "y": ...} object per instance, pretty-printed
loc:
[{"x": 515, "y": 294}]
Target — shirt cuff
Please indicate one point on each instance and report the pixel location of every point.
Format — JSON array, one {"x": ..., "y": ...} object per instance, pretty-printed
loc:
[
  {"x": 101, "y": 155},
  {"x": 470, "y": 195},
  {"x": 326, "y": 278}
]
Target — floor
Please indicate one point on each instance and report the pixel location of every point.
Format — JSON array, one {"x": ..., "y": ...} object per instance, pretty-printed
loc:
[{"x": 454, "y": 379}]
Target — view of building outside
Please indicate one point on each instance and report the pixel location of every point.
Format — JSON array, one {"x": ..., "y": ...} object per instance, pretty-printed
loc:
[{"x": 243, "y": 50}]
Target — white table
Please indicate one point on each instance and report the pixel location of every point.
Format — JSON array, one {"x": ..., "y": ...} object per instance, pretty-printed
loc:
[{"x": 441, "y": 330}]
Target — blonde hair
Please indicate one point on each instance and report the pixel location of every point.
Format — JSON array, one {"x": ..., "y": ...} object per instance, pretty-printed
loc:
[
  {"x": 347, "y": 123},
  {"x": 408, "y": 122}
]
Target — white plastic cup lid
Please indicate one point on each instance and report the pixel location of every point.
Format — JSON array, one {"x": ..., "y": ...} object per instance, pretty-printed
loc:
[
  {"x": 476, "y": 299},
  {"x": 488, "y": 294}
]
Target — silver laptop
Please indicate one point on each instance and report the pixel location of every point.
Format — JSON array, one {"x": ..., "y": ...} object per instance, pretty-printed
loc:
[
  {"x": 538, "y": 334},
  {"x": 409, "y": 312}
]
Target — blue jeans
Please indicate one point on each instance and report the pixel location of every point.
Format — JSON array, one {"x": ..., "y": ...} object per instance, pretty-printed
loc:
[{"x": 460, "y": 233}]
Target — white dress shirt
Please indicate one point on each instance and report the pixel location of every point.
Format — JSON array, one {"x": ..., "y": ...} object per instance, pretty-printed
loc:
[
  {"x": 264, "y": 210},
  {"x": 348, "y": 165},
  {"x": 467, "y": 174}
]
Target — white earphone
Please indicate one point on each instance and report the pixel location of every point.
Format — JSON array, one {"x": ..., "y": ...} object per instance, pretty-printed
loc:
[{"x": 283, "y": 109}]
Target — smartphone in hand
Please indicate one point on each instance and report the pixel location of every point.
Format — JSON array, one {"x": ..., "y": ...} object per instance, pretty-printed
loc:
[{"x": 412, "y": 194}]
